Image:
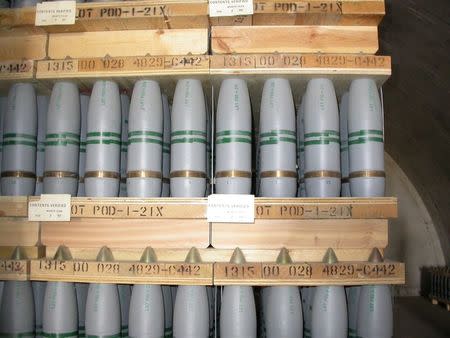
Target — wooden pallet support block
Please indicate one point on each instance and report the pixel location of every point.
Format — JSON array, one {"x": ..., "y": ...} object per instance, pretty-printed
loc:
[
  {"x": 294, "y": 39},
  {"x": 126, "y": 233},
  {"x": 128, "y": 43},
  {"x": 301, "y": 234}
]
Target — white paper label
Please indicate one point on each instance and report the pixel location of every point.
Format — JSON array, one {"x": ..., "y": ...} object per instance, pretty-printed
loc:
[
  {"x": 55, "y": 13},
  {"x": 231, "y": 208},
  {"x": 50, "y": 207},
  {"x": 230, "y": 7}
]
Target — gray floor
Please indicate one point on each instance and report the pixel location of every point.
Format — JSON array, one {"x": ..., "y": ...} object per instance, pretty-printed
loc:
[{"x": 416, "y": 317}]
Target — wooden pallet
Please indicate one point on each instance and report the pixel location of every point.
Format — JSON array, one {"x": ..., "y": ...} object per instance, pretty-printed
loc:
[
  {"x": 211, "y": 270},
  {"x": 175, "y": 14},
  {"x": 132, "y": 224}
]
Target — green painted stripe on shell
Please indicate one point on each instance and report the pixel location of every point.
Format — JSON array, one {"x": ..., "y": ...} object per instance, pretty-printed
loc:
[
  {"x": 363, "y": 140},
  {"x": 19, "y": 135},
  {"x": 103, "y": 133},
  {"x": 188, "y": 140},
  {"x": 363, "y": 132},
  {"x": 103, "y": 141},
  {"x": 233, "y": 132},
  {"x": 233, "y": 140}
]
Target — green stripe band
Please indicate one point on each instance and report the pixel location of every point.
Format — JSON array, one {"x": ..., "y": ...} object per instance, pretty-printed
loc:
[
  {"x": 60, "y": 335},
  {"x": 23, "y": 143},
  {"x": 278, "y": 132},
  {"x": 363, "y": 140},
  {"x": 322, "y": 133},
  {"x": 103, "y": 133},
  {"x": 274, "y": 140},
  {"x": 144, "y": 140},
  {"x": 363, "y": 132},
  {"x": 322, "y": 141},
  {"x": 61, "y": 143},
  {"x": 233, "y": 132},
  {"x": 19, "y": 135},
  {"x": 232, "y": 140},
  {"x": 188, "y": 132},
  {"x": 188, "y": 140},
  {"x": 144, "y": 133},
  {"x": 103, "y": 141},
  {"x": 63, "y": 135}
]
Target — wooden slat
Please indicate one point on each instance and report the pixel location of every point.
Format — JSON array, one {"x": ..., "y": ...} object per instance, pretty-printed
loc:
[
  {"x": 128, "y": 15},
  {"x": 256, "y": 273},
  {"x": 217, "y": 255},
  {"x": 126, "y": 233},
  {"x": 342, "y": 273},
  {"x": 13, "y": 206},
  {"x": 128, "y": 43},
  {"x": 301, "y": 234},
  {"x": 18, "y": 231},
  {"x": 129, "y": 66},
  {"x": 173, "y": 273},
  {"x": 14, "y": 269},
  {"x": 195, "y": 208},
  {"x": 301, "y": 64},
  {"x": 294, "y": 39},
  {"x": 22, "y": 46}
]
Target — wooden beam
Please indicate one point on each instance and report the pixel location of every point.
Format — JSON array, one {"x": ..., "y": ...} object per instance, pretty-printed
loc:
[
  {"x": 252, "y": 273},
  {"x": 126, "y": 233},
  {"x": 309, "y": 274},
  {"x": 22, "y": 46},
  {"x": 216, "y": 255},
  {"x": 195, "y": 208},
  {"x": 18, "y": 231},
  {"x": 294, "y": 39},
  {"x": 112, "y": 16},
  {"x": 128, "y": 43},
  {"x": 301, "y": 234}
]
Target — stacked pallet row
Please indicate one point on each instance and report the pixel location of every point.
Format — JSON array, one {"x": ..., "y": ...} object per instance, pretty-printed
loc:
[{"x": 167, "y": 41}]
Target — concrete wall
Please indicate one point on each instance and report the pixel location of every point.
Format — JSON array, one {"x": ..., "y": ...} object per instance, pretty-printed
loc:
[{"x": 412, "y": 236}]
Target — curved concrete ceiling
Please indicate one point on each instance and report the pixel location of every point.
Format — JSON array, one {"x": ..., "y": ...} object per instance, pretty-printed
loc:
[{"x": 416, "y": 33}]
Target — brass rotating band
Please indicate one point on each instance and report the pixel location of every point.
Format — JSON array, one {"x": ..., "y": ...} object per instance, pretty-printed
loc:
[
  {"x": 278, "y": 173},
  {"x": 39, "y": 179},
  {"x": 345, "y": 180},
  {"x": 234, "y": 173},
  {"x": 144, "y": 174},
  {"x": 323, "y": 173},
  {"x": 81, "y": 179},
  {"x": 18, "y": 174},
  {"x": 187, "y": 173},
  {"x": 60, "y": 174},
  {"x": 101, "y": 174},
  {"x": 367, "y": 173},
  {"x": 166, "y": 180}
]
